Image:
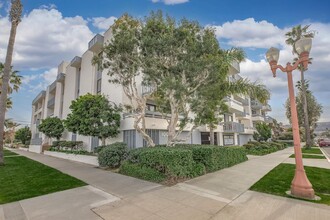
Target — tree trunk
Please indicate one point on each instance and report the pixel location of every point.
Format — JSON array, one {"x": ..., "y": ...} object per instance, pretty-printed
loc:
[
  {"x": 306, "y": 121},
  {"x": 5, "y": 85},
  {"x": 211, "y": 135},
  {"x": 172, "y": 124}
]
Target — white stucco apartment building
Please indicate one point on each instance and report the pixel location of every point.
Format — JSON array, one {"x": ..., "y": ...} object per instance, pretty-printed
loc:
[{"x": 80, "y": 77}]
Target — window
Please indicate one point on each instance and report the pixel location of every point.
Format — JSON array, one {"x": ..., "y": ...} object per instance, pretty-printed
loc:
[
  {"x": 130, "y": 138},
  {"x": 151, "y": 108},
  {"x": 74, "y": 137},
  {"x": 154, "y": 134},
  {"x": 98, "y": 86},
  {"x": 205, "y": 138}
]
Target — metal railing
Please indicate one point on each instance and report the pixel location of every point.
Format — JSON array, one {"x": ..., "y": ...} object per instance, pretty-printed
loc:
[
  {"x": 51, "y": 102},
  {"x": 146, "y": 90},
  {"x": 233, "y": 127},
  {"x": 98, "y": 39}
]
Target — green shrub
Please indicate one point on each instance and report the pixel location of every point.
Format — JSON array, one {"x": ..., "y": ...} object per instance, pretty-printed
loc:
[
  {"x": 215, "y": 158},
  {"x": 173, "y": 162},
  {"x": 98, "y": 149},
  {"x": 113, "y": 155},
  {"x": 142, "y": 172},
  {"x": 73, "y": 145}
]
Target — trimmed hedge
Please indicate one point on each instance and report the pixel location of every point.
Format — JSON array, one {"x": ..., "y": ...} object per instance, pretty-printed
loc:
[
  {"x": 214, "y": 157},
  {"x": 141, "y": 172},
  {"x": 113, "y": 155},
  {"x": 73, "y": 145},
  {"x": 180, "y": 162},
  {"x": 173, "y": 162},
  {"x": 263, "y": 148}
]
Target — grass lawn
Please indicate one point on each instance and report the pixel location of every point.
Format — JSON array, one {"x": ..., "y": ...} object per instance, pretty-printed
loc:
[
  {"x": 8, "y": 152},
  {"x": 22, "y": 178},
  {"x": 278, "y": 181},
  {"x": 312, "y": 150},
  {"x": 310, "y": 156}
]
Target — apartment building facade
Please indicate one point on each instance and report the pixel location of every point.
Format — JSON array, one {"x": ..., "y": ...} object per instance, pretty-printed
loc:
[{"x": 80, "y": 77}]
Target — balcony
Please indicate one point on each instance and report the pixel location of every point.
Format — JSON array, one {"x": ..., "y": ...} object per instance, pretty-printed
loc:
[
  {"x": 233, "y": 127},
  {"x": 42, "y": 94},
  {"x": 76, "y": 62},
  {"x": 51, "y": 102},
  {"x": 243, "y": 116},
  {"x": 256, "y": 105},
  {"x": 249, "y": 130},
  {"x": 234, "y": 106},
  {"x": 60, "y": 77},
  {"x": 234, "y": 67},
  {"x": 96, "y": 44},
  {"x": 52, "y": 86},
  {"x": 257, "y": 117},
  {"x": 99, "y": 75},
  {"x": 147, "y": 90},
  {"x": 269, "y": 119},
  {"x": 266, "y": 108}
]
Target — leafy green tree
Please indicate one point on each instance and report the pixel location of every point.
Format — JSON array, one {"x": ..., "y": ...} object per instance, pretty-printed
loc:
[
  {"x": 208, "y": 108},
  {"x": 23, "y": 135},
  {"x": 293, "y": 36},
  {"x": 15, "y": 18},
  {"x": 264, "y": 132},
  {"x": 314, "y": 108},
  {"x": 277, "y": 129},
  {"x": 179, "y": 57},
  {"x": 94, "y": 115},
  {"x": 52, "y": 127},
  {"x": 123, "y": 60}
]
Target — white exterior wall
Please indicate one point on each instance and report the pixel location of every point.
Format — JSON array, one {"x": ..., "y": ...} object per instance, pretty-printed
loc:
[
  {"x": 69, "y": 90},
  {"x": 87, "y": 74}
]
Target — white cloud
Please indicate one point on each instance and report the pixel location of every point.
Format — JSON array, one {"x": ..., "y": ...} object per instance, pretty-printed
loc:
[
  {"x": 50, "y": 75},
  {"x": 103, "y": 23},
  {"x": 250, "y": 33},
  {"x": 170, "y": 2},
  {"x": 45, "y": 38}
]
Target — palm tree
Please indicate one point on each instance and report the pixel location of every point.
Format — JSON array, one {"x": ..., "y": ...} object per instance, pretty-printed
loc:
[
  {"x": 15, "y": 18},
  {"x": 293, "y": 36},
  {"x": 14, "y": 83}
]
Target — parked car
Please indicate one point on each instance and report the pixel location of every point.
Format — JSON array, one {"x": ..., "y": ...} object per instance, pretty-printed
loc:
[{"x": 324, "y": 142}]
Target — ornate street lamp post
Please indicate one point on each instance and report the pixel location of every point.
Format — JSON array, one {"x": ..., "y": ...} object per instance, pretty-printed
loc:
[{"x": 300, "y": 185}]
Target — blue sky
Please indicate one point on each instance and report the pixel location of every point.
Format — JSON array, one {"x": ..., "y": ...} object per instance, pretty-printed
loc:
[{"x": 56, "y": 30}]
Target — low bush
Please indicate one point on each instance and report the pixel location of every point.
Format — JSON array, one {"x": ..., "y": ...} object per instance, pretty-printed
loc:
[
  {"x": 113, "y": 155},
  {"x": 263, "y": 148},
  {"x": 214, "y": 157},
  {"x": 141, "y": 172},
  {"x": 173, "y": 162},
  {"x": 72, "y": 145}
]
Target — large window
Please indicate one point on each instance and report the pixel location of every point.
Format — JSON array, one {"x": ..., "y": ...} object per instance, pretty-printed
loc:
[
  {"x": 205, "y": 138},
  {"x": 98, "y": 86},
  {"x": 130, "y": 138},
  {"x": 151, "y": 107}
]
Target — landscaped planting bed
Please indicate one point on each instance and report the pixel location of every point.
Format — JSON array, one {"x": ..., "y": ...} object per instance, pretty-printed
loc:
[
  {"x": 263, "y": 148},
  {"x": 310, "y": 156}
]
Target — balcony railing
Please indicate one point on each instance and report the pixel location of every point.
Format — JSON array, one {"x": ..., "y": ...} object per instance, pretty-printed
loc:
[
  {"x": 39, "y": 96},
  {"x": 52, "y": 86},
  {"x": 151, "y": 114},
  {"x": 96, "y": 43},
  {"x": 269, "y": 119},
  {"x": 76, "y": 62},
  {"x": 51, "y": 102},
  {"x": 266, "y": 108},
  {"x": 233, "y": 127},
  {"x": 60, "y": 77},
  {"x": 256, "y": 105}
]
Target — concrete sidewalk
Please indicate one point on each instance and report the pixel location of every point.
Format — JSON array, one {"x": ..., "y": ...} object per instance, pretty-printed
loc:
[
  {"x": 220, "y": 195},
  {"x": 116, "y": 184}
]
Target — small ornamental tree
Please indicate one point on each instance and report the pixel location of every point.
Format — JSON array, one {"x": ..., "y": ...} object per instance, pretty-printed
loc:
[
  {"x": 264, "y": 132},
  {"x": 93, "y": 115},
  {"x": 23, "y": 135},
  {"x": 52, "y": 127}
]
